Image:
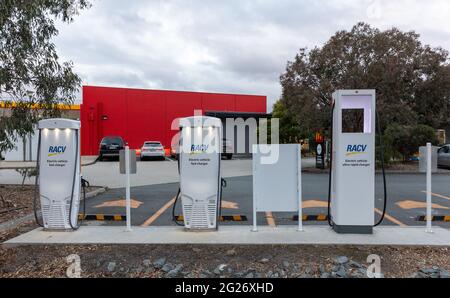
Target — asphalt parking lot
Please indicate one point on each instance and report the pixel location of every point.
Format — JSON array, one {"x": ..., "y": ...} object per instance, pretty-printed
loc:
[{"x": 152, "y": 204}]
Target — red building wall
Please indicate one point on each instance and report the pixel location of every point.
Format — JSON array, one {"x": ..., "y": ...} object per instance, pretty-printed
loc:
[{"x": 140, "y": 115}]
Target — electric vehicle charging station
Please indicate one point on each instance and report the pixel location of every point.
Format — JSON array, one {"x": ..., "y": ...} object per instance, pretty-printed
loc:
[
  {"x": 352, "y": 173},
  {"x": 200, "y": 175},
  {"x": 58, "y": 164}
]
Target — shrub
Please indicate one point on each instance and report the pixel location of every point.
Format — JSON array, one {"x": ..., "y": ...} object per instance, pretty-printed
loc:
[{"x": 402, "y": 141}]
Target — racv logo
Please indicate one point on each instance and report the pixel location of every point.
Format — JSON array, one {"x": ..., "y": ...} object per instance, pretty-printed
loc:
[
  {"x": 355, "y": 150},
  {"x": 197, "y": 149},
  {"x": 56, "y": 150}
]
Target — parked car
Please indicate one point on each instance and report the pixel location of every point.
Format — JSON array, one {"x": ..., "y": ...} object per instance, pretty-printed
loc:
[
  {"x": 152, "y": 149},
  {"x": 227, "y": 149},
  {"x": 444, "y": 156},
  {"x": 110, "y": 146},
  {"x": 414, "y": 157}
]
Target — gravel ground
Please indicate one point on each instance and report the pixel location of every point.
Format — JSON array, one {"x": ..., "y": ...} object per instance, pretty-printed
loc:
[
  {"x": 17, "y": 201},
  {"x": 304, "y": 261}
]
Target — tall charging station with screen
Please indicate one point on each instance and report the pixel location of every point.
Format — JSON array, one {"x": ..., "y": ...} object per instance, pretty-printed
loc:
[
  {"x": 59, "y": 172},
  {"x": 200, "y": 177},
  {"x": 352, "y": 193}
]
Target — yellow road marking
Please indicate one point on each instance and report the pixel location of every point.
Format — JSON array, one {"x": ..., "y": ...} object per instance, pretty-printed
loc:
[
  {"x": 155, "y": 216},
  {"x": 437, "y": 195},
  {"x": 270, "y": 219},
  {"x": 120, "y": 203},
  {"x": 229, "y": 205},
  {"x": 321, "y": 217},
  {"x": 314, "y": 204},
  {"x": 408, "y": 204},
  {"x": 392, "y": 219}
]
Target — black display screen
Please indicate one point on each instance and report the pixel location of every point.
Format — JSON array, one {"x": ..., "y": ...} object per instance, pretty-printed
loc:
[{"x": 352, "y": 120}]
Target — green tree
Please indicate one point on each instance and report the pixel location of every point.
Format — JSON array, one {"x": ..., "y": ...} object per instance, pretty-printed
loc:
[
  {"x": 288, "y": 126},
  {"x": 412, "y": 80},
  {"x": 402, "y": 141},
  {"x": 30, "y": 72},
  {"x": 395, "y": 140}
]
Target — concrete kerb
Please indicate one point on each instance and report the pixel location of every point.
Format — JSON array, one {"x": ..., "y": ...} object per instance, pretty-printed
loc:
[
  {"x": 96, "y": 192},
  {"x": 237, "y": 235},
  {"x": 11, "y": 224}
]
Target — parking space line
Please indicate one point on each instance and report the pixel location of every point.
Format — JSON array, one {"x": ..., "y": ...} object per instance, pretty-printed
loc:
[
  {"x": 155, "y": 216},
  {"x": 438, "y": 195},
  {"x": 270, "y": 219},
  {"x": 120, "y": 203},
  {"x": 314, "y": 204},
  {"x": 409, "y": 204},
  {"x": 392, "y": 219},
  {"x": 229, "y": 205}
]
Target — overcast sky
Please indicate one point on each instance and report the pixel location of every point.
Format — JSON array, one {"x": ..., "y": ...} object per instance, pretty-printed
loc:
[{"x": 232, "y": 46}]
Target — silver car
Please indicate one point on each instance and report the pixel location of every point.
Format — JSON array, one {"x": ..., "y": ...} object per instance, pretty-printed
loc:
[
  {"x": 152, "y": 149},
  {"x": 444, "y": 156}
]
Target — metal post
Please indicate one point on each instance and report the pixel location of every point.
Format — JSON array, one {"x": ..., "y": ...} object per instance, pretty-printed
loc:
[
  {"x": 30, "y": 147},
  {"x": 255, "y": 228},
  {"x": 24, "y": 146},
  {"x": 429, "y": 230},
  {"x": 127, "y": 178},
  {"x": 299, "y": 189}
]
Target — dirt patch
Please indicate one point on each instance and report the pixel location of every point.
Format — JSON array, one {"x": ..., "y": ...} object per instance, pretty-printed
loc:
[{"x": 17, "y": 201}]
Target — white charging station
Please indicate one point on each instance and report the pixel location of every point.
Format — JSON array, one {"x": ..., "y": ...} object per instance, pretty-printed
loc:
[
  {"x": 200, "y": 177},
  {"x": 59, "y": 172},
  {"x": 353, "y": 162}
]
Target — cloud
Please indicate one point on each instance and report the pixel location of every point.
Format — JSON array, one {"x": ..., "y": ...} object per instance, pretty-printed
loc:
[{"x": 224, "y": 46}]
